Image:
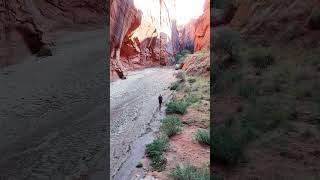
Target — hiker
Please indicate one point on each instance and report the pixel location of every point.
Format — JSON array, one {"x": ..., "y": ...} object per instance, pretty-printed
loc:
[{"x": 160, "y": 101}]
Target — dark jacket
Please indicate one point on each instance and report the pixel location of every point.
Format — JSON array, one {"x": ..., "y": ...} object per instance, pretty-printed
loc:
[{"x": 160, "y": 99}]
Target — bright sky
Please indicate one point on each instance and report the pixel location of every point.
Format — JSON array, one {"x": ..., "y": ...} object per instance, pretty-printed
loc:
[
  {"x": 185, "y": 9},
  {"x": 188, "y": 9}
]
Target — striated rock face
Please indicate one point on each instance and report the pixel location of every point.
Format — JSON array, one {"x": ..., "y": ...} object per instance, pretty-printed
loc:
[
  {"x": 26, "y": 24},
  {"x": 202, "y": 30},
  {"x": 271, "y": 21}
]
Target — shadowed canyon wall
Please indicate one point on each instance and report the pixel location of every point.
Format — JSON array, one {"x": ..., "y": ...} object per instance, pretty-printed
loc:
[
  {"x": 26, "y": 25},
  {"x": 271, "y": 21}
]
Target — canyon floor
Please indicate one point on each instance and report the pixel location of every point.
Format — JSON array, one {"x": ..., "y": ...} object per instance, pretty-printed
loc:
[
  {"x": 53, "y": 114},
  {"x": 135, "y": 115}
]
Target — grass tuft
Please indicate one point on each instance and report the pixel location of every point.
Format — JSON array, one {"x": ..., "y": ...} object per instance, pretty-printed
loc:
[
  {"x": 179, "y": 107},
  {"x": 171, "y": 125},
  {"x": 155, "y": 152},
  {"x": 190, "y": 173},
  {"x": 202, "y": 136}
]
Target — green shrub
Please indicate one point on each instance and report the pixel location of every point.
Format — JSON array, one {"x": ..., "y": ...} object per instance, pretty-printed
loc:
[
  {"x": 155, "y": 152},
  {"x": 176, "y": 86},
  {"x": 191, "y": 80},
  {"x": 191, "y": 99},
  {"x": 314, "y": 20},
  {"x": 181, "y": 55},
  {"x": 261, "y": 58},
  {"x": 190, "y": 173},
  {"x": 171, "y": 125},
  {"x": 225, "y": 149},
  {"x": 159, "y": 162},
  {"x": 181, "y": 76},
  {"x": 202, "y": 136},
  {"x": 179, "y": 107}
]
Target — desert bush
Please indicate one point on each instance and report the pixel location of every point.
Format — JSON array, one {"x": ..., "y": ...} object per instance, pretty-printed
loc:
[
  {"x": 202, "y": 136},
  {"x": 181, "y": 76},
  {"x": 176, "y": 86},
  {"x": 191, "y": 99},
  {"x": 179, "y": 107},
  {"x": 225, "y": 149},
  {"x": 190, "y": 173},
  {"x": 181, "y": 55},
  {"x": 191, "y": 80},
  {"x": 171, "y": 125},
  {"x": 261, "y": 58},
  {"x": 314, "y": 19},
  {"x": 155, "y": 152}
]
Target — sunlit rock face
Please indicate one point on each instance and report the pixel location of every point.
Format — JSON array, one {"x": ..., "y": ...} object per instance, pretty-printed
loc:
[
  {"x": 25, "y": 25},
  {"x": 202, "y": 30},
  {"x": 142, "y": 34}
]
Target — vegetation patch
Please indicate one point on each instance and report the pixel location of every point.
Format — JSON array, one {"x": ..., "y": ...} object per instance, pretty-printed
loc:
[
  {"x": 202, "y": 136},
  {"x": 180, "y": 56},
  {"x": 225, "y": 149},
  {"x": 191, "y": 80},
  {"x": 171, "y": 125},
  {"x": 181, "y": 76},
  {"x": 178, "y": 107},
  {"x": 155, "y": 151},
  {"x": 189, "y": 172},
  {"x": 176, "y": 86}
]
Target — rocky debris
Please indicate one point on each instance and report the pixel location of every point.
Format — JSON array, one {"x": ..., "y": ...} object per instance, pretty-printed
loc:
[{"x": 197, "y": 64}]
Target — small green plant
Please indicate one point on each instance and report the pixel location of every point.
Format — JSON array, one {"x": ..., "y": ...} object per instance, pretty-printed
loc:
[
  {"x": 139, "y": 165},
  {"x": 189, "y": 172},
  {"x": 225, "y": 149},
  {"x": 191, "y": 80},
  {"x": 155, "y": 152},
  {"x": 261, "y": 58},
  {"x": 314, "y": 19},
  {"x": 181, "y": 76},
  {"x": 181, "y": 55},
  {"x": 191, "y": 99},
  {"x": 171, "y": 125},
  {"x": 202, "y": 136},
  {"x": 179, "y": 107},
  {"x": 176, "y": 86}
]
